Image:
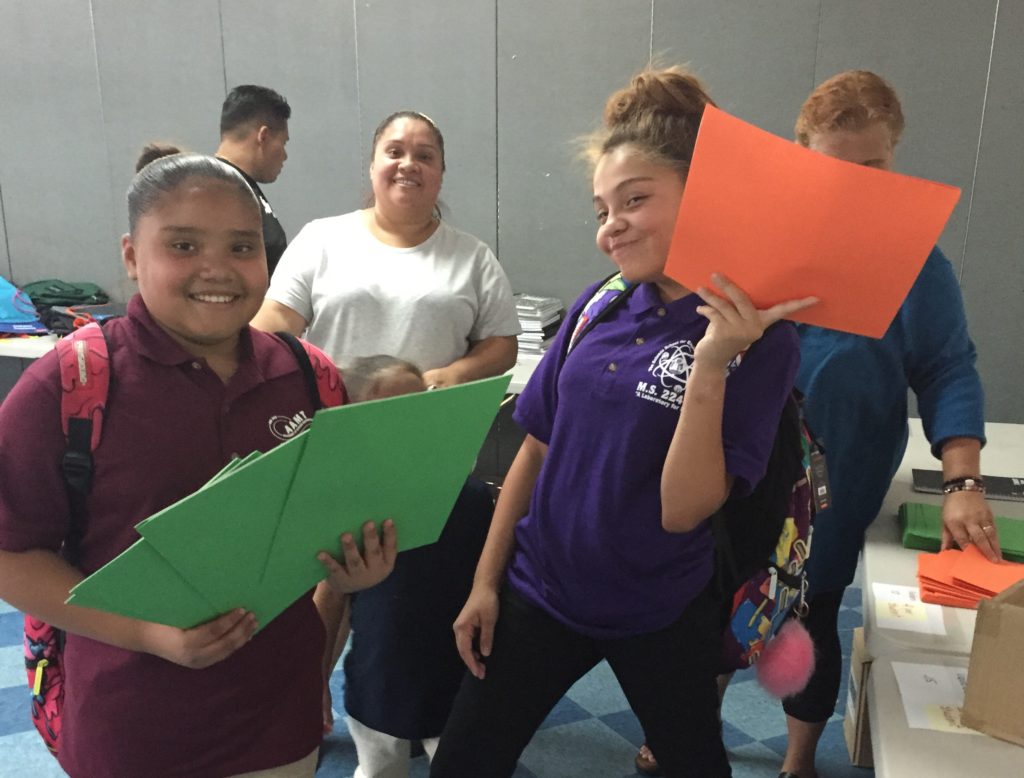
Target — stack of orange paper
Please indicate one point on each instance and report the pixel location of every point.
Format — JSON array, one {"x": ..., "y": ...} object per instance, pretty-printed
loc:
[{"x": 963, "y": 578}]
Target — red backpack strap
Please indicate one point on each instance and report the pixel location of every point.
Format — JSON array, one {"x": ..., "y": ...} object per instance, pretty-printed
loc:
[
  {"x": 85, "y": 384},
  {"x": 329, "y": 385},
  {"x": 323, "y": 381},
  {"x": 84, "y": 366}
]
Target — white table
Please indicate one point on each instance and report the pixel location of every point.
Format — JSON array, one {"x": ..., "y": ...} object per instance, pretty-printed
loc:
[
  {"x": 525, "y": 365},
  {"x": 26, "y": 348},
  {"x": 886, "y": 561},
  {"x": 900, "y": 751}
]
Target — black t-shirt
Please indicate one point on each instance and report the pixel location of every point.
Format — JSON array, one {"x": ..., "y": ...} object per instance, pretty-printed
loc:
[{"x": 274, "y": 238}]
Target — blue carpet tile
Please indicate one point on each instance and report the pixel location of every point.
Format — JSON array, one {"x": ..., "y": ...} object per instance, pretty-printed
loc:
[{"x": 591, "y": 733}]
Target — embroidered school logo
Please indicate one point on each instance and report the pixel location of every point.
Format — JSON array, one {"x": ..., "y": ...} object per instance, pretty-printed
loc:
[
  {"x": 671, "y": 367},
  {"x": 670, "y": 370},
  {"x": 287, "y": 427}
]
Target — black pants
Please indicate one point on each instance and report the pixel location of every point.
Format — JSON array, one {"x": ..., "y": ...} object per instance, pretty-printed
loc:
[
  {"x": 817, "y": 701},
  {"x": 668, "y": 678}
]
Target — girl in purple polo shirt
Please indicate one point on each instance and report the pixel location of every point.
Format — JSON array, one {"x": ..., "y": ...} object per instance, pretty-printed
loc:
[
  {"x": 599, "y": 547},
  {"x": 192, "y": 384}
]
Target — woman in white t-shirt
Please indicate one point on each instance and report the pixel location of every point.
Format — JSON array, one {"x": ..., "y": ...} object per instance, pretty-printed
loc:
[{"x": 394, "y": 278}]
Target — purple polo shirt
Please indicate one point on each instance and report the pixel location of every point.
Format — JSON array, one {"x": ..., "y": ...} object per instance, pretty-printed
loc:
[
  {"x": 591, "y": 551},
  {"x": 171, "y": 424}
]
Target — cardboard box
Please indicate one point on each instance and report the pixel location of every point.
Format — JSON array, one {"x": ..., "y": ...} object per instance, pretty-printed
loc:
[
  {"x": 994, "y": 699},
  {"x": 856, "y": 726}
]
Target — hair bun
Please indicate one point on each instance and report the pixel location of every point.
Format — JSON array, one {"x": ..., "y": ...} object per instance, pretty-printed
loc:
[{"x": 670, "y": 92}]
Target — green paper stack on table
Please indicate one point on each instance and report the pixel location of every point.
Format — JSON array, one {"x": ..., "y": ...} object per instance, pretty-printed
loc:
[
  {"x": 921, "y": 528},
  {"x": 249, "y": 537}
]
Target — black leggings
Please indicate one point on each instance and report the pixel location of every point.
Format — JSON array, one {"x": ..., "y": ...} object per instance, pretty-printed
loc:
[
  {"x": 668, "y": 678},
  {"x": 817, "y": 702}
]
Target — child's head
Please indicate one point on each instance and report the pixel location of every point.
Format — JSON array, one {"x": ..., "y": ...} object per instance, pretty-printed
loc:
[
  {"x": 195, "y": 247},
  {"x": 154, "y": 151},
  {"x": 377, "y": 377},
  {"x": 640, "y": 161},
  {"x": 854, "y": 116}
]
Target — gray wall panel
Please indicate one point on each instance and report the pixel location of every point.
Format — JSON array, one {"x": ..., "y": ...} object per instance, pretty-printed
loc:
[
  {"x": 511, "y": 83},
  {"x": 53, "y": 156},
  {"x": 167, "y": 85},
  {"x": 993, "y": 280},
  {"x": 557, "y": 64},
  {"x": 756, "y": 58},
  {"x": 306, "y": 51},
  {"x": 437, "y": 59},
  {"x": 935, "y": 53}
]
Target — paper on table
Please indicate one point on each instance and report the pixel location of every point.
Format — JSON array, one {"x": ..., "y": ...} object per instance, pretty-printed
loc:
[
  {"x": 933, "y": 696},
  {"x": 404, "y": 458},
  {"x": 900, "y": 607},
  {"x": 784, "y": 222},
  {"x": 974, "y": 570}
]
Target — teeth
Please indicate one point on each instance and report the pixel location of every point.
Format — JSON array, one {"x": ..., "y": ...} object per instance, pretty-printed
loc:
[
  {"x": 405, "y": 182},
  {"x": 214, "y": 298}
]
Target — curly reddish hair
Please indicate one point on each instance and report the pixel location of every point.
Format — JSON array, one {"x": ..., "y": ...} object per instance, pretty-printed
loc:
[{"x": 851, "y": 100}]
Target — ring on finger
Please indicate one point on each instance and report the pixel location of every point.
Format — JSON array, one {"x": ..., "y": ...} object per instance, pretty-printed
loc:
[{"x": 987, "y": 528}]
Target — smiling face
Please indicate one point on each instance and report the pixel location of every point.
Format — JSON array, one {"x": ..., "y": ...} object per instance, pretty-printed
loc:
[
  {"x": 871, "y": 146},
  {"x": 407, "y": 166},
  {"x": 198, "y": 257},
  {"x": 636, "y": 202}
]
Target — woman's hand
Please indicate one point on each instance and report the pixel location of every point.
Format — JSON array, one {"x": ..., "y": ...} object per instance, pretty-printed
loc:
[
  {"x": 441, "y": 377},
  {"x": 201, "y": 646},
  {"x": 476, "y": 622},
  {"x": 966, "y": 519},
  {"x": 361, "y": 571},
  {"x": 735, "y": 323}
]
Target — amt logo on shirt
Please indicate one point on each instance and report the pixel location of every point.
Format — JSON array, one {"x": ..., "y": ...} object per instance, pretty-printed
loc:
[
  {"x": 287, "y": 427},
  {"x": 671, "y": 368}
]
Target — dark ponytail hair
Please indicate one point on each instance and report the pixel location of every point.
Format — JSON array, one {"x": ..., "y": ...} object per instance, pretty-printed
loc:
[{"x": 166, "y": 174}]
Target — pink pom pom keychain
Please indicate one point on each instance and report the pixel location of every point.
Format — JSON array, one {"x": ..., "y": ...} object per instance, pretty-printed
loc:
[{"x": 787, "y": 662}]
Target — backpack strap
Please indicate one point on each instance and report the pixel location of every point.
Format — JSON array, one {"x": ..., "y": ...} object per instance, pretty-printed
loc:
[
  {"x": 322, "y": 379},
  {"x": 611, "y": 294},
  {"x": 84, "y": 364}
]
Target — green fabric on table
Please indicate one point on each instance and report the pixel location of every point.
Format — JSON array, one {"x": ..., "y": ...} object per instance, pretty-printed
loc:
[{"x": 921, "y": 528}]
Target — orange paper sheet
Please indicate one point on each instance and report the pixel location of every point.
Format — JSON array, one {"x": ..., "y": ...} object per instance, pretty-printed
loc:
[
  {"x": 784, "y": 222},
  {"x": 973, "y": 569},
  {"x": 963, "y": 578}
]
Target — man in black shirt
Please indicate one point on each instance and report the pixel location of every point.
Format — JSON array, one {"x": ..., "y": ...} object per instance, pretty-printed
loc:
[{"x": 253, "y": 134}]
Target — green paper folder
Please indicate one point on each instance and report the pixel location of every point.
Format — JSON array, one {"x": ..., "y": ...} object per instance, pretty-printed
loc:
[
  {"x": 249, "y": 537},
  {"x": 219, "y": 538},
  {"x": 404, "y": 458},
  {"x": 141, "y": 584},
  {"x": 921, "y": 528}
]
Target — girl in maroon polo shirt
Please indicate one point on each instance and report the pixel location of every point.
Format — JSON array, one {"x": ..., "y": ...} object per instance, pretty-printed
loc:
[
  {"x": 192, "y": 385},
  {"x": 599, "y": 547}
]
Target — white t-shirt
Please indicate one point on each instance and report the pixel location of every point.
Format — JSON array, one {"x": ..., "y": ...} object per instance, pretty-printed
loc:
[{"x": 424, "y": 304}]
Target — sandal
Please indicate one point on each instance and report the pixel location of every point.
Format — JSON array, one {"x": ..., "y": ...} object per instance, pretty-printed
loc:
[{"x": 645, "y": 762}]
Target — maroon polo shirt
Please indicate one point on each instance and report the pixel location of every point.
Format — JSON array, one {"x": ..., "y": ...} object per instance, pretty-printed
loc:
[{"x": 171, "y": 424}]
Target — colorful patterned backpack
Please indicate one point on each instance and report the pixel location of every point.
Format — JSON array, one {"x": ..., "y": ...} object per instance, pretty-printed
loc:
[
  {"x": 763, "y": 540},
  {"x": 85, "y": 384}
]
